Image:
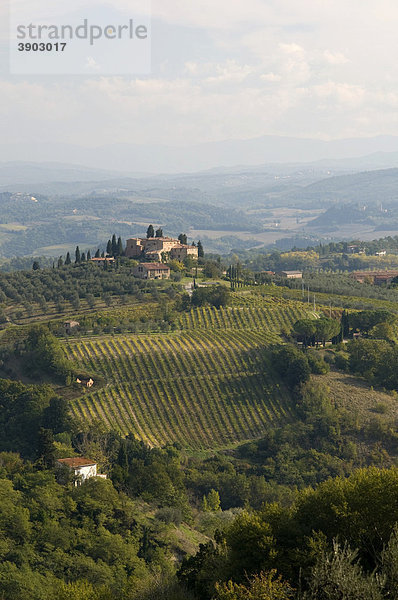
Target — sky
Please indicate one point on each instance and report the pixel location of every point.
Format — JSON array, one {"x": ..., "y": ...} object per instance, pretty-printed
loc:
[{"x": 221, "y": 69}]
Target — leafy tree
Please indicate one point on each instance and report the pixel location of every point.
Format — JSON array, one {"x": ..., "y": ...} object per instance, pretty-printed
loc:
[
  {"x": 264, "y": 586},
  {"x": 150, "y": 233},
  {"x": 304, "y": 331},
  {"x": 56, "y": 416},
  {"x": 326, "y": 329},
  {"x": 339, "y": 575},
  {"x": 212, "y": 269},
  {"x": 46, "y": 448},
  {"x": 211, "y": 502},
  {"x": 215, "y": 296},
  {"x": 291, "y": 364},
  {"x": 366, "y": 319}
]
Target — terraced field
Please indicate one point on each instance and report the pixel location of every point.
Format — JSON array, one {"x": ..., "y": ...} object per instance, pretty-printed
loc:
[{"x": 206, "y": 386}]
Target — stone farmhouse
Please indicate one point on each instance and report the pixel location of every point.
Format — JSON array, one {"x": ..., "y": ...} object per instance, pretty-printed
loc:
[
  {"x": 291, "y": 274},
  {"x": 374, "y": 277},
  {"x": 152, "y": 271},
  {"x": 83, "y": 468},
  {"x": 158, "y": 249}
]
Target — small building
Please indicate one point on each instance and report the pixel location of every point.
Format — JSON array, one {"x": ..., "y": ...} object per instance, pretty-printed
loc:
[
  {"x": 70, "y": 326},
  {"x": 152, "y": 271},
  {"x": 183, "y": 251},
  {"x": 381, "y": 253},
  {"x": 291, "y": 274},
  {"x": 87, "y": 382},
  {"x": 83, "y": 468}
]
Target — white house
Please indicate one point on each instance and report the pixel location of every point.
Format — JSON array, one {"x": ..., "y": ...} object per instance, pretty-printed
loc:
[{"x": 83, "y": 468}]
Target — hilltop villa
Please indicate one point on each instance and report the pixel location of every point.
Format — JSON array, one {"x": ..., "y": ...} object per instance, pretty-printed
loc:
[{"x": 159, "y": 249}]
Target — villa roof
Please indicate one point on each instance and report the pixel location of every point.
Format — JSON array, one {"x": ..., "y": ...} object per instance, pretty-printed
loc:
[{"x": 76, "y": 462}]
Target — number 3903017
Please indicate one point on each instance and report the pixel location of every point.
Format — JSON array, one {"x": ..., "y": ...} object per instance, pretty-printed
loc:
[{"x": 42, "y": 47}]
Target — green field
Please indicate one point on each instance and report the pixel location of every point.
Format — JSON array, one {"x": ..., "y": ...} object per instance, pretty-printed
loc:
[{"x": 208, "y": 385}]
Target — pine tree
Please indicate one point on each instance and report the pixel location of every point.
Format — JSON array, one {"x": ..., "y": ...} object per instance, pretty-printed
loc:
[
  {"x": 77, "y": 256},
  {"x": 150, "y": 232},
  {"x": 159, "y": 232},
  {"x": 200, "y": 250},
  {"x": 67, "y": 259}
]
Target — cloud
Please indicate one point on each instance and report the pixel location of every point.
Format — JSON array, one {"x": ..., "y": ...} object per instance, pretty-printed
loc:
[
  {"x": 335, "y": 58},
  {"x": 231, "y": 68}
]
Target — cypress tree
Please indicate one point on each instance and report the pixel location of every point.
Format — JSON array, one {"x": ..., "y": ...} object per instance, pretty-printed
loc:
[
  {"x": 83, "y": 257},
  {"x": 77, "y": 256},
  {"x": 109, "y": 247},
  {"x": 88, "y": 255},
  {"x": 114, "y": 245},
  {"x": 200, "y": 250},
  {"x": 150, "y": 232},
  {"x": 98, "y": 254},
  {"x": 120, "y": 249},
  {"x": 67, "y": 259},
  {"x": 159, "y": 232}
]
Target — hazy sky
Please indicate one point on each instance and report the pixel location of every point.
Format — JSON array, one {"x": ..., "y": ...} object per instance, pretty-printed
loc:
[{"x": 224, "y": 69}]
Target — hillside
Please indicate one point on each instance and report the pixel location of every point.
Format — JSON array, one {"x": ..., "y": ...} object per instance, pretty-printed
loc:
[{"x": 208, "y": 385}]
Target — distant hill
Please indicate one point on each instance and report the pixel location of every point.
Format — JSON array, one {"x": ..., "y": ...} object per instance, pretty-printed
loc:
[
  {"x": 369, "y": 186},
  {"x": 133, "y": 158}
]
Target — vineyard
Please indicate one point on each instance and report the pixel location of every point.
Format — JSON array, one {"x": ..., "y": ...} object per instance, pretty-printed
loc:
[{"x": 208, "y": 385}]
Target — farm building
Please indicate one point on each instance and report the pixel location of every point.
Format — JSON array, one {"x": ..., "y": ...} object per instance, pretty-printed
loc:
[
  {"x": 83, "y": 468},
  {"x": 70, "y": 326},
  {"x": 290, "y": 274},
  {"x": 374, "y": 277},
  {"x": 152, "y": 271}
]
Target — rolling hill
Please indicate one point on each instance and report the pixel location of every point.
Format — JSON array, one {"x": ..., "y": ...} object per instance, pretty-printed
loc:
[{"x": 209, "y": 385}]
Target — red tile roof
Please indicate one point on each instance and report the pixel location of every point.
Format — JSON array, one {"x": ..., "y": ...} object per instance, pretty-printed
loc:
[{"x": 76, "y": 462}]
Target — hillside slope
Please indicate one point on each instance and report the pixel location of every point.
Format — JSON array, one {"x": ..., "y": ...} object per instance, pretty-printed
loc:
[{"x": 208, "y": 385}]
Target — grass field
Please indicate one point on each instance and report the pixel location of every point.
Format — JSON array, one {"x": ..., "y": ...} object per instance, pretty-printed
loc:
[{"x": 208, "y": 385}]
